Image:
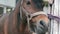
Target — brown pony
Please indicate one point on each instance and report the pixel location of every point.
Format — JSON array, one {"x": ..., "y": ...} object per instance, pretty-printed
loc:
[{"x": 18, "y": 22}]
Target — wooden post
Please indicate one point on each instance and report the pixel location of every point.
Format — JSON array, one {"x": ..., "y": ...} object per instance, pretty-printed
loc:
[
  {"x": 59, "y": 13},
  {"x": 55, "y": 25}
]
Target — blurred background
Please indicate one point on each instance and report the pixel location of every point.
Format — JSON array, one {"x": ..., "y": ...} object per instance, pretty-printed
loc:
[{"x": 6, "y": 6}]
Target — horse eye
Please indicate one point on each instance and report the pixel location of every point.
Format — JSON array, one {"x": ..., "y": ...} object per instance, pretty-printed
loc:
[{"x": 28, "y": 3}]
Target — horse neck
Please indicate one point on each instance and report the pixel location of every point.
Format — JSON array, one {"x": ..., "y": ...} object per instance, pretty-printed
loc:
[
  {"x": 13, "y": 20},
  {"x": 14, "y": 15},
  {"x": 17, "y": 8}
]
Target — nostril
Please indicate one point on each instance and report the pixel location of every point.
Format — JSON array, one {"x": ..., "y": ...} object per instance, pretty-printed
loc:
[{"x": 41, "y": 22}]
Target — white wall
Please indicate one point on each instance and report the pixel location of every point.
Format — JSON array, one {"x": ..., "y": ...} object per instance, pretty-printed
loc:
[
  {"x": 55, "y": 25},
  {"x": 10, "y": 3}
]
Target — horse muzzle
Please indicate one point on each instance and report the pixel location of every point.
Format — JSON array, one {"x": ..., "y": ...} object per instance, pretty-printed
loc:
[{"x": 39, "y": 28}]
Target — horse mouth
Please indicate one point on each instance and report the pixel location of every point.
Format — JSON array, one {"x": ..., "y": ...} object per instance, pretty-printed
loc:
[{"x": 38, "y": 30}]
